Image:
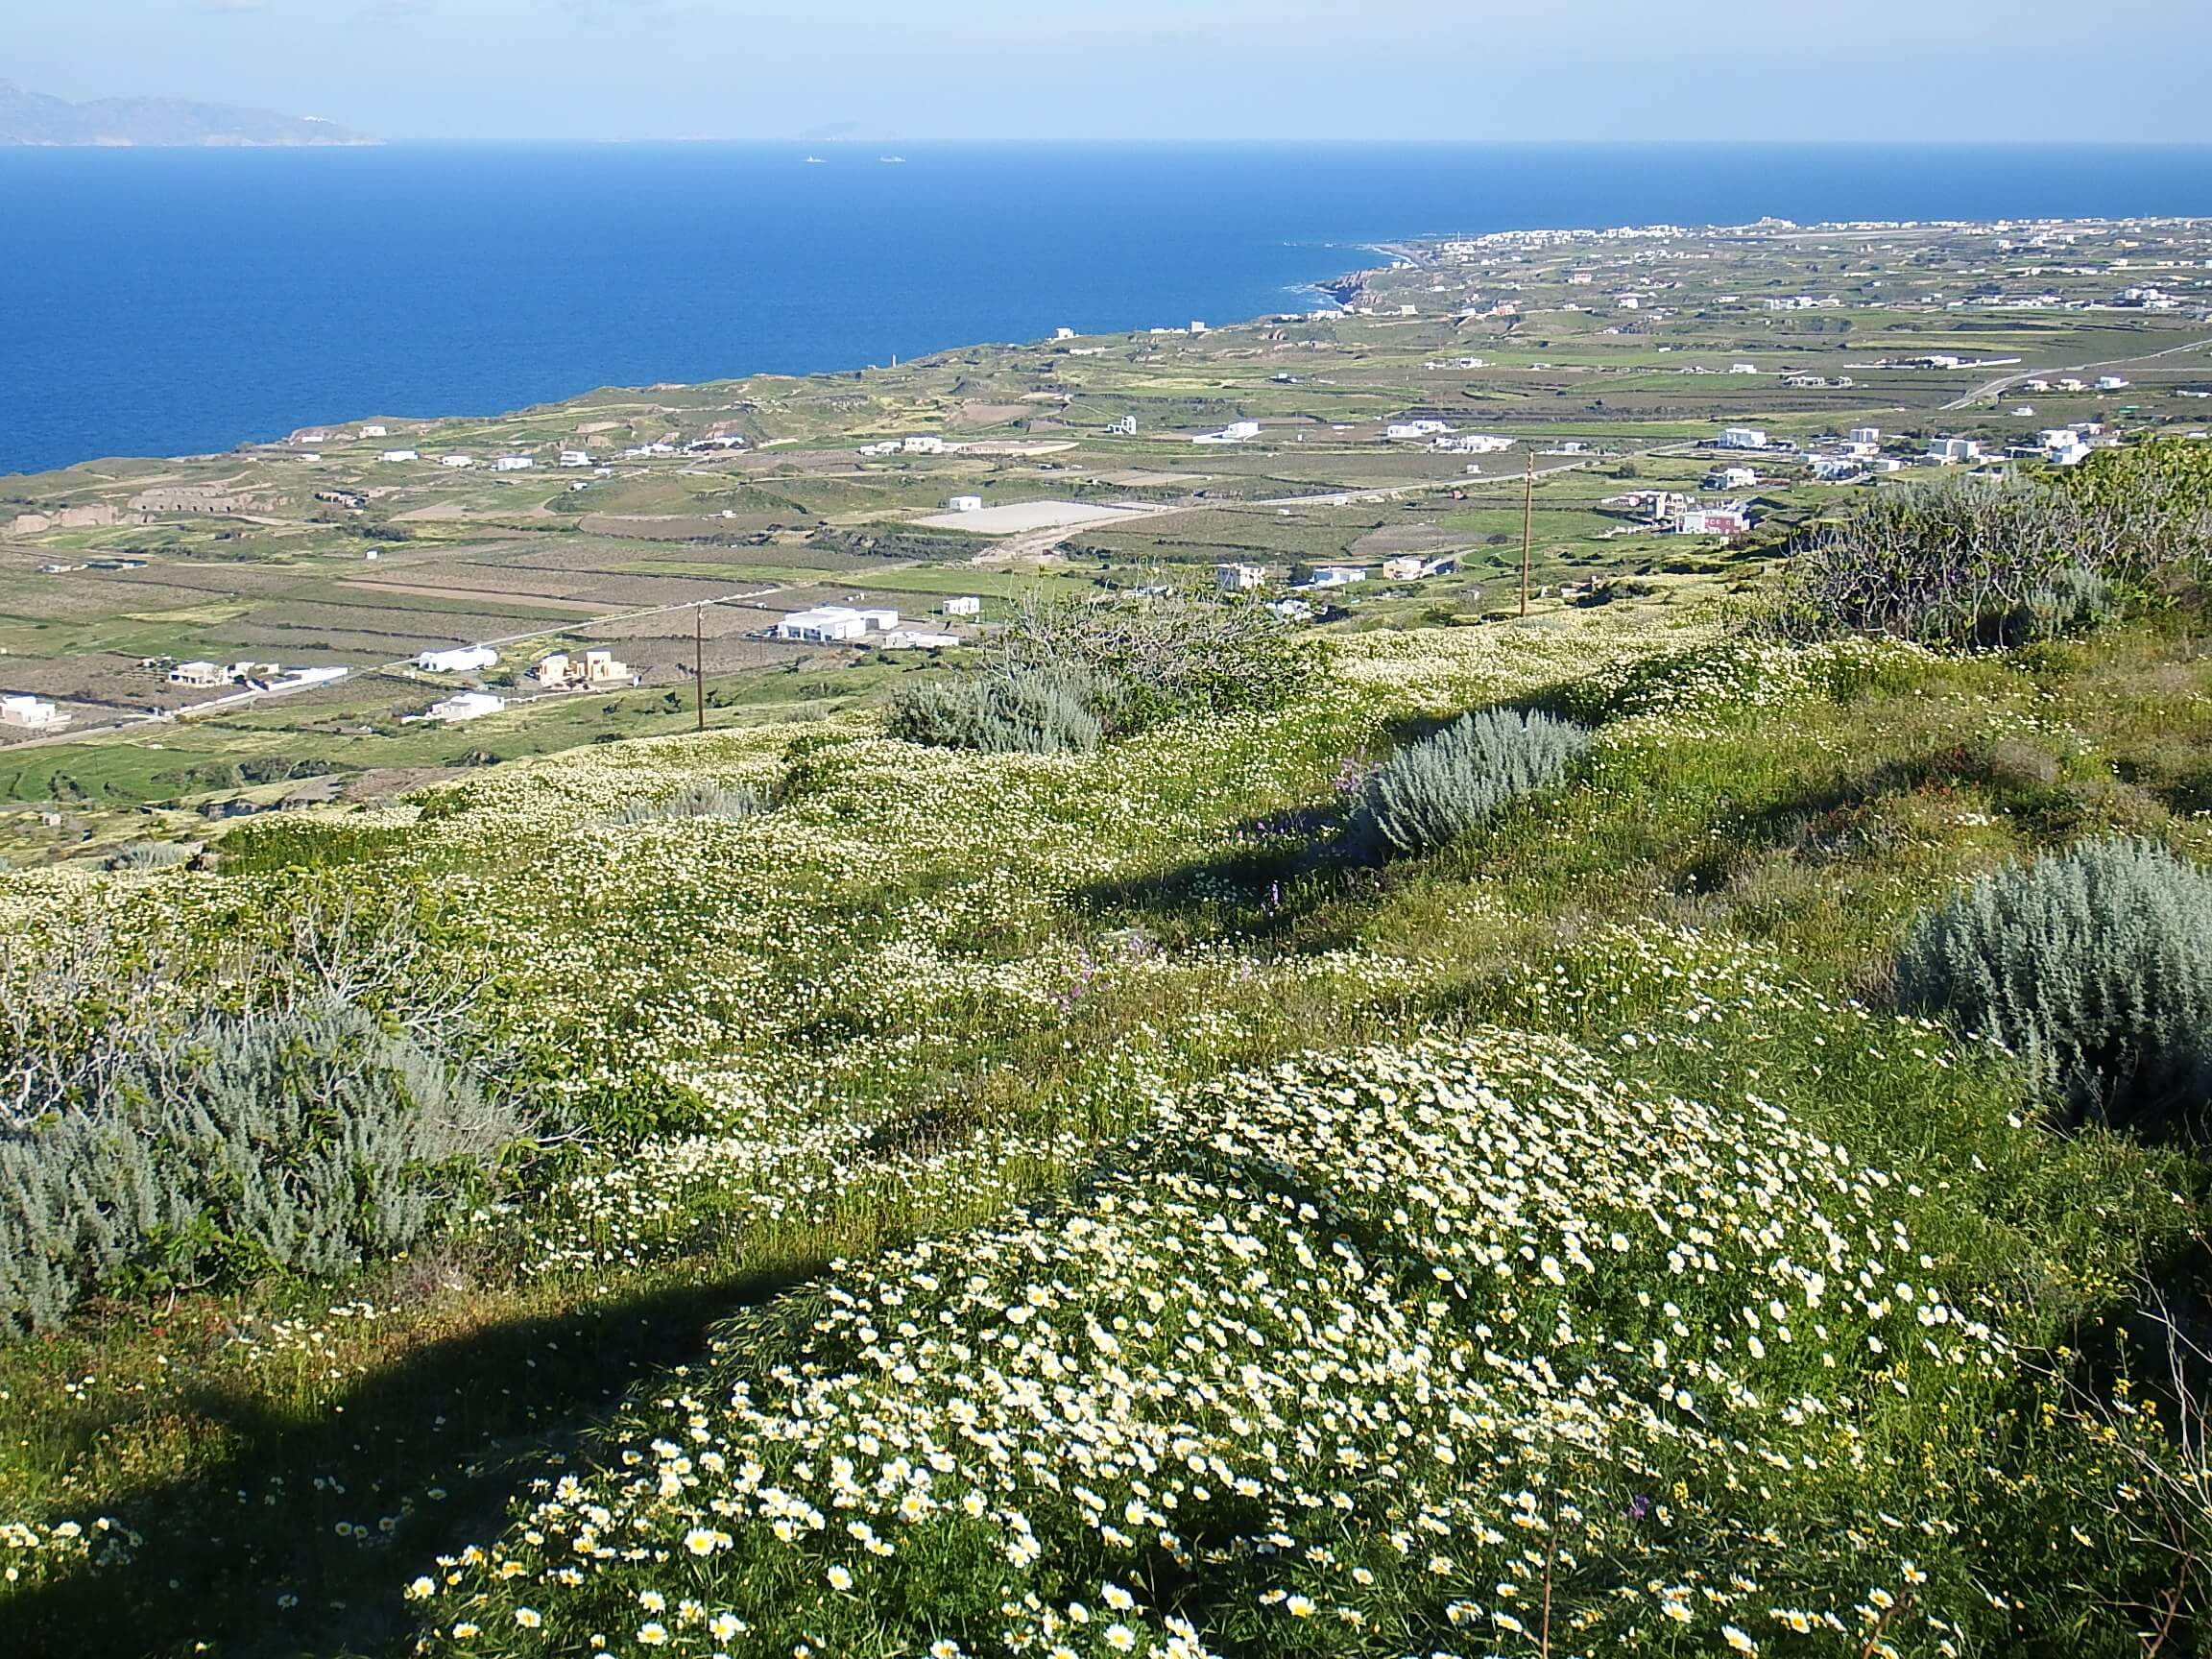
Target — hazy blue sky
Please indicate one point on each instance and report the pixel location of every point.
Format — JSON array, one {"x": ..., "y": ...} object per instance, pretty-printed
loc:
[{"x": 2060, "y": 69}]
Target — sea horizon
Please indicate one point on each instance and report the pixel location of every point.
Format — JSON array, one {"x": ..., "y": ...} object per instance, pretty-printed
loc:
[{"x": 185, "y": 301}]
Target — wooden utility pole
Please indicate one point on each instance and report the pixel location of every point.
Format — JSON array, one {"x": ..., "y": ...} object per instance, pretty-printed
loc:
[
  {"x": 1527, "y": 528},
  {"x": 699, "y": 663}
]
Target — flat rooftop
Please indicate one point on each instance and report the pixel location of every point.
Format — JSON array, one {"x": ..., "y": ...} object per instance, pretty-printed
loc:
[{"x": 1017, "y": 516}]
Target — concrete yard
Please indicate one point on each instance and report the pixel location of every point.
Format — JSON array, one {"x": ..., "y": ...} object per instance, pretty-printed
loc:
[{"x": 1015, "y": 516}]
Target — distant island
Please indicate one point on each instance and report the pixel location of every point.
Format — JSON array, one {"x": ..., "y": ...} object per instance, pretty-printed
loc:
[{"x": 32, "y": 118}]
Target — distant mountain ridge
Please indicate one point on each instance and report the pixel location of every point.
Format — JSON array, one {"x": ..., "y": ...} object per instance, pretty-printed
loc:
[{"x": 32, "y": 118}]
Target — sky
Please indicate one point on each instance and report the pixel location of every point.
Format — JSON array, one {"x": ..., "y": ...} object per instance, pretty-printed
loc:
[{"x": 1855, "y": 70}]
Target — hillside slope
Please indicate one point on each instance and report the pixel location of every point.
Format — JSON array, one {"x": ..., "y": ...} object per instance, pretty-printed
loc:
[{"x": 33, "y": 118}]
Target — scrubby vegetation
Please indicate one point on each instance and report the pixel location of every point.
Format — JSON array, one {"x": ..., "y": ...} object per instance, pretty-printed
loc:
[
  {"x": 2094, "y": 965},
  {"x": 1998, "y": 563},
  {"x": 1066, "y": 674},
  {"x": 1452, "y": 779},
  {"x": 995, "y": 1196}
]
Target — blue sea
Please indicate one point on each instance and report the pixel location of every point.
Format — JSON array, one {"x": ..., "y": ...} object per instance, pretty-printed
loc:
[{"x": 176, "y": 301}]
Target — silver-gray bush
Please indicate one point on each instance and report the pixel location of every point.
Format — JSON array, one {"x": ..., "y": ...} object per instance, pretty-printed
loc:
[
  {"x": 1448, "y": 782},
  {"x": 2095, "y": 966}
]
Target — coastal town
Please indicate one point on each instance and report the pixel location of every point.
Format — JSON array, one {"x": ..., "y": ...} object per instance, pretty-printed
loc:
[{"x": 1481, "y": 431}]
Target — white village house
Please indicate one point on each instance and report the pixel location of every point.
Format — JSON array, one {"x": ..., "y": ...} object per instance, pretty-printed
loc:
[
  {"x": 31, "y": 715},
  {"x": 834, "y": 624},
  {"x": 966, "y": 605},
  {"x": 400, "y": 455},
  {"x": 466, "y": 706},
  {"x": 458, "y": 659},
  {"x": 964, "y": 504}
]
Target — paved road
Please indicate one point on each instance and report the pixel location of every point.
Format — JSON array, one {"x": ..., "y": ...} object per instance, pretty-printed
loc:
[{"x": 1994, "y": 387}]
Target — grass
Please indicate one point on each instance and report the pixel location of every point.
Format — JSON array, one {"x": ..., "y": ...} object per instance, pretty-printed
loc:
[{"x": 245, "y": 1437}]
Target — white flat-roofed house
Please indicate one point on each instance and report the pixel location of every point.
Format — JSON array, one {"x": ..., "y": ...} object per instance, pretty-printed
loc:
[
  {"x": 1953, "y": 451},
  {"x": 467, "y": 706},
  {"x": 400, "y": 455},
  {"x": 513, "y": 464},
  {"x": 2112, "y": 383},
  {"x": 575, "y": 457},
  {"x": 834, "y": 624},
  {"x": 1871, "y": 436},
  {"x": 1472, "y": 443},
  {"x": 1713, "y": 521},
  {"x": 1742, "y": 367},
  {"x": 918, "y": 639},
  {"x": 1399, "y": 431},
  {"x": 1743, "y": 437},
  {"x": 923, "y": 444},
  {"x": 31, "y": 715},
  {"x": 964, "y": 504},
  {"x": 1408, "y": 567},
  {"x": 459, "y": 463},
  {"x": 1236, "y": 432},
  {"x": 1239, "y": 578},
  {"x": 199, "y": 674},
  {"x": 376, "y": 432},
  {"x": 458, "y": 659},
  {"x": 966, "y": 605},
  {"x": 1731, "y": 479},
  {"x": 1336, "y": 575}
]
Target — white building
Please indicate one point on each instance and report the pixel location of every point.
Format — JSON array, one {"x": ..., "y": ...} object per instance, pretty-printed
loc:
[
  {"x": 1063, "y": 333},
  {"x": 1731, "y": 479},
  {"x": 1197, "y": 327},
  {"x": 575, "y": 457},
  {"x": 1742, "y": 367},
  {"x": 1713, "y": 521},
  {"x": 376, "y": 432},
  {"x": 1239, "y": 578},
  {"x": 467, "y": 706},
  {"x": 923, "y": 444},
  {"x": 1953, "y": 451},
  {"x": 31, "y": 715},
  {"x": 1410, "y": 567},
  {"x": 834, "y": 624},
  {"x": 1871, "y": 436},
  {"x": 966, "y": 605},
  {"x": 1743, "y": 437},
  {"x": 513, "y": 464},
  {"x": 918, "y": 639},
  {"x": 2112, "y": 383},
  {"x": 1422, "y": 429},
  {"x": 199, "y": 674},
  {"x": 1236, "y": 432},
  {"x": 461, "y": 659},
  {"x": 457, "y": 462},
  {"x": 1125, "y": 427},
  {"x": 400, "y": 455},
  {"x": 964, "y": 504},
  {"x": 1336, "y": 575}
]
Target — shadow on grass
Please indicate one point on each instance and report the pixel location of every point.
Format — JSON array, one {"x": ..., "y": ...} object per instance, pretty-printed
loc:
[{"x": 247, "y": 1559}]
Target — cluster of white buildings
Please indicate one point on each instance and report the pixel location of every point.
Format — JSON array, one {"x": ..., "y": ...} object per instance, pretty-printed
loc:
[{"x": 256, "y": 676}]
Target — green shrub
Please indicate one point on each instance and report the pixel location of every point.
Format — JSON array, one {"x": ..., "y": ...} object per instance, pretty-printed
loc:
[
  {"x": 2095, "y": 966},
  {"x": 151, "y": 855},
  {"x": 310, "y": 1140},
  {"x": 693, "y": 801},
  {"x": 1450, "y": 782},
  {"x": 1037, "y": 710},
  {"x": 1968, "y": 562}
]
